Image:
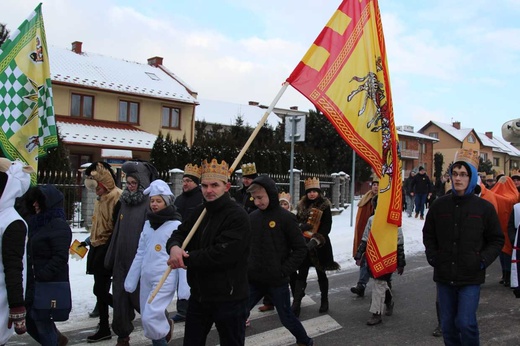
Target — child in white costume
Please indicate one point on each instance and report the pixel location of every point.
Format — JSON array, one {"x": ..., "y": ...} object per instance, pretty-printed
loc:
[{"x": 150, "y": 263}]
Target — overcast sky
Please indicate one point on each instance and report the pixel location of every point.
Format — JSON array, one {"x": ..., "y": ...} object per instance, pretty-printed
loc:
[{"x": 448, "y": 60}]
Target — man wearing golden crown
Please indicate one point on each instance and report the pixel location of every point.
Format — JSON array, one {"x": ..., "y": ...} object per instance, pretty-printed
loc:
[
  {"x": 190, "y": 198},
  {"x": 462, "y": 237},
  {"x": 216, "y": 261}
]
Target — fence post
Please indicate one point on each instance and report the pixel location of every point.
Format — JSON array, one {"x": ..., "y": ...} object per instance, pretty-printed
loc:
[
  {"x": 336, "y": 190},
  {"x": 176, "y": 181},
  {"x": 296, "y": 176},
  {"x": 347, "y": 189}
]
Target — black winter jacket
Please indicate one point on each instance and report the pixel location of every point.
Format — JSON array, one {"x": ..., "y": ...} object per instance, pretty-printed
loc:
[
  {"x": 217, "y": 265},
  {"x": 421, "y": 184},
  {"x": 187, "y": 202},
  {"x": 462, "y": 237},
  {"x": 277, "y": 245},
  {"x": 244, "y": 199}
]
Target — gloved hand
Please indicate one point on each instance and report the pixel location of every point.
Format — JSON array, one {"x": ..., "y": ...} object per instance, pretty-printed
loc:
[
  {"x": 17, "y": 317},
  {"x": 400, "y": 270},
  {"x": 83, "y": 244},
  {"x": 305, "y": 227}
]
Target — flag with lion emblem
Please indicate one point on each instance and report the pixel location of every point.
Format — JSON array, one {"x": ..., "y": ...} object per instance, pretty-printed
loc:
[{"x": 345, "y": 74}]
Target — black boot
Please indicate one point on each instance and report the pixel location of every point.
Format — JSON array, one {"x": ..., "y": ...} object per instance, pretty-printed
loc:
[
  {"x": 389, "y": 303},
  {"x": 299, "y": 293},
  {"x": 324, "y": 307},
  {"x": 103, "y": 333},
  {"x": 507, "y": 278},
  {"x": 359, "y": 289},
  {"x": 95, "y": 312},
  {"x": 503, "y": 277},
  {"x": 324, "y": 289}
]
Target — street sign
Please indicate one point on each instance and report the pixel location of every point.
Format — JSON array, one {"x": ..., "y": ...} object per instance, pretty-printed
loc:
[{"x": 294, "y": 127}]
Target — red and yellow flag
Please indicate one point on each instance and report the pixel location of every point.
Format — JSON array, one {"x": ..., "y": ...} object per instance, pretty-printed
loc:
[{"x": 345, "y": 75}]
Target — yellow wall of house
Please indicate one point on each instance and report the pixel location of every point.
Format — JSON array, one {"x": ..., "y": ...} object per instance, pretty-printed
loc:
[{"x": 106, "y": 108}]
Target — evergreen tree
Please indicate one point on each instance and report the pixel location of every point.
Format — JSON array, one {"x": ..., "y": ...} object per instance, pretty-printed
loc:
[
  {"x": 57, "y": 158},
  {"x": 158, "y": 155},
  {"x": 438, "y": 162},
  {"x": 4, "y": 33},
  {"x": 485, "y": 166}
]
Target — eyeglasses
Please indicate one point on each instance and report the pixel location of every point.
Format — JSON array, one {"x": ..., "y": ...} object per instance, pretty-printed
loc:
[
  {"x": 187, "y": 181},
  {"x": 461, "y": 174}
]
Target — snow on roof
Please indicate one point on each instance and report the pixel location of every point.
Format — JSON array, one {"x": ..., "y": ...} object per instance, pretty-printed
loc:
[
  {"x": 502, "y": 146},
  {"x": 416, "y": 135},
  {"x": 486, "y": 141},
  {"x": 226, "y": 113},
  {"x": 460, "y": 135},
  {"x": 116, "y": 154},
  {"x": 74, "y": 131},
  {"x": 98, "y": 71}
]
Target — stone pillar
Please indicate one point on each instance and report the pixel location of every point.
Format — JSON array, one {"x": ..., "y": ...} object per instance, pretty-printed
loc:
[
  {"x": 343, "y": 189},
  {"x": 88, "y": 198},
  {"x": 176, "y": 181},
  {"x": 336, "y": 190}
]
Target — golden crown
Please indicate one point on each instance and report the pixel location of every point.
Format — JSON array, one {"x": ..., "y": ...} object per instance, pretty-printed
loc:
[
  {"x": 312, "y": 183},
  {"x": 469, "y": 156},
  {"x": 215, "y": 170},
  {"x": 284, "y": 196},
  {"x": 248, "y": 168},
  {"x": 193, "y": 170},
  {"x": 489, "y": 177}
]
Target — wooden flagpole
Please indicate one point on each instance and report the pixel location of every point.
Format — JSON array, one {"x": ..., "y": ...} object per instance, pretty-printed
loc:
[{"x": 231, "y": 170}]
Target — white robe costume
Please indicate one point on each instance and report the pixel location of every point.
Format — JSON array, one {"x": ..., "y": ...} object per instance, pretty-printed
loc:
[
  {"x": 17, "y": 184},
  {"x": 148, "y": 266}
]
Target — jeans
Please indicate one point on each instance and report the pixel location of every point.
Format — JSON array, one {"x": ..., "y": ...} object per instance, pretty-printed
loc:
[
  {"x": 505, "y": 262},
  {"x": 364, "y": 274},
  {"x": 229, "y": 318},
  {"x": 281, "y": 299},
  {"x": 159, "y": 342},
  {"x": 409, "y": 205},
  {"x": 458, "y": 309},
  {"x": 420, "y": 201},
  {"x": 44, "y": 331}
]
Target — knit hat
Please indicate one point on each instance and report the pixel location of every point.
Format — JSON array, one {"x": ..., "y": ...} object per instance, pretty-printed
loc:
[
  {"x": 421, "y": 168},
  {"x": 160, "y": 188}
]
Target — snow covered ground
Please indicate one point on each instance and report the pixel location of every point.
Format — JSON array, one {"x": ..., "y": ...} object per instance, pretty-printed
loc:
[{"x": 341, "y": 237}]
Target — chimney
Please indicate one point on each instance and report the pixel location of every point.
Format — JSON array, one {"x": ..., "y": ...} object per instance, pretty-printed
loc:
[
  {"x": 253, "y": 103},
  {"x": 293, "y": 108},
  {"x": 155, "y": 61},
  {"x": 456, "y": 124},
  {"x": 76, "y": 47},
  {"x": 489, "y": 134}
]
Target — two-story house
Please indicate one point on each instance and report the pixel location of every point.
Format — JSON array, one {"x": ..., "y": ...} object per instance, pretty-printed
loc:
[
  {"x": 416, "y": 150},
  {"x": 452, "y": 137},
  {"x": 113, "y": 109}
]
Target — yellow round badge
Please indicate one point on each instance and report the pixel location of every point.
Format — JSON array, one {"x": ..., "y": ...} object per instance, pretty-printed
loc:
[
  {"x": 121, "y": 217},
  {"x": 272, "y": 224},
  {"x": 158, "y": 247},
  {"x": 251, "y": 199}
]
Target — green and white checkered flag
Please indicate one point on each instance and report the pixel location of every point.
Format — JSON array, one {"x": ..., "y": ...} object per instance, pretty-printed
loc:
[{"x": 27, "y": 123}]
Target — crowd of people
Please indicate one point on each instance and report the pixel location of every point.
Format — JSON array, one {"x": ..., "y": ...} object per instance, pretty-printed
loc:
[{"x": 226, "y": 253}]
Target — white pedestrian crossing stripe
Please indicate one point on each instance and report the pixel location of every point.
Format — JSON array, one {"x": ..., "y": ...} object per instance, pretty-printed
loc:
[{"x": 280, "y": 336}]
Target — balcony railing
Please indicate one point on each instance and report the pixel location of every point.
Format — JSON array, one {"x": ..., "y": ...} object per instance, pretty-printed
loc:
[{"x": 409, "y": 154}]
